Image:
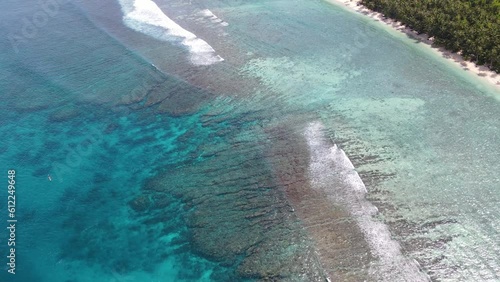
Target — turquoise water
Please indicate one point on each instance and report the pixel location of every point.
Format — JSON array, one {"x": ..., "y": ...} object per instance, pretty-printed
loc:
[{"x": 164, "y": 170}]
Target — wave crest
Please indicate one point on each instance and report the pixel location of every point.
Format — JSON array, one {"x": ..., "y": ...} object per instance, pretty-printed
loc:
[
  {"x": 146, "y": 17},
  {"x": 333, "y": 173}
]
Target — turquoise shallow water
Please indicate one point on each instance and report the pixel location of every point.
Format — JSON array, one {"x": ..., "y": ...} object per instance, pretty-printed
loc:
[{"x": 228, "y": 172}]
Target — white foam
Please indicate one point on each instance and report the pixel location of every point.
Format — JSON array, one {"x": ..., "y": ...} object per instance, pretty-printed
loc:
[
  {"x": 146, "y": 17},
  {"x": 206, "y": 13},
  {"x": 332, "y": 173}
]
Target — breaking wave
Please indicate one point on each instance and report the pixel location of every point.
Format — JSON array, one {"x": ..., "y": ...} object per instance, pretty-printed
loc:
[
  {"x": 331, "y": 172},
  {"x": 146, "y": 17}
]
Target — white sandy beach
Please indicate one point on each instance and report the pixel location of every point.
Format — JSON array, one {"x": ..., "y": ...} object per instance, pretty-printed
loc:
[{"x": 482, "y": 72}]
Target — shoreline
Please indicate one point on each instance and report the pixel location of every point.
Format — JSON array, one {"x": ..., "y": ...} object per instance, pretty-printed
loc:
[{"x": 482, "y": 72}]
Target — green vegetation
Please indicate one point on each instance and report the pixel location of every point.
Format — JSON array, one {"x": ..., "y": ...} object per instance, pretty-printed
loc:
[{"x": 469, "y": 26}]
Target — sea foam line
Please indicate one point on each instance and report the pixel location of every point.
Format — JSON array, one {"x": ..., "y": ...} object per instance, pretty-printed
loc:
[
  {"x": 146, "y": 17},
  {"x": 206, "y": 13},
  {"x": 331, "y": 172}
]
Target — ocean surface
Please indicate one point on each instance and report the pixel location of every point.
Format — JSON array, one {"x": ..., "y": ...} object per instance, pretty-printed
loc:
[{"x": 168, "y": 140}]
